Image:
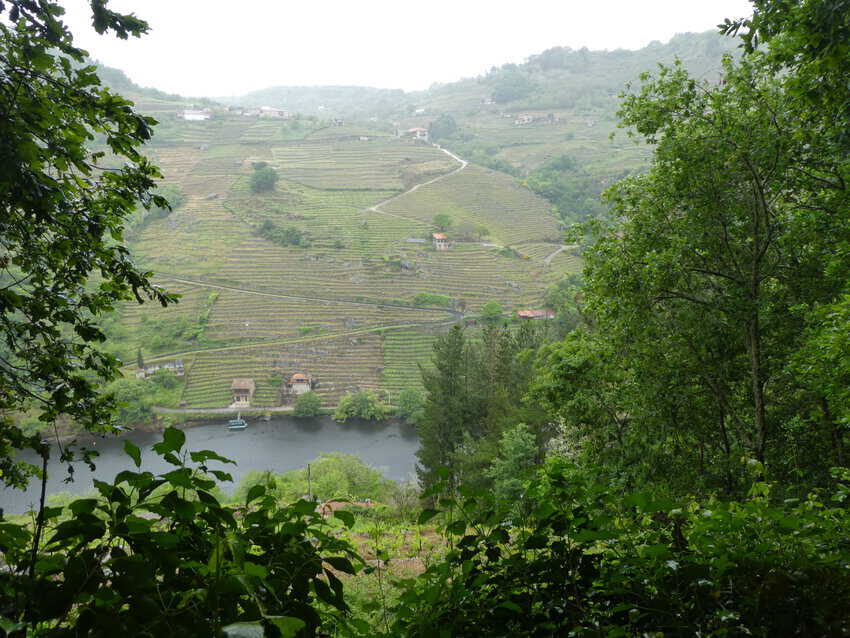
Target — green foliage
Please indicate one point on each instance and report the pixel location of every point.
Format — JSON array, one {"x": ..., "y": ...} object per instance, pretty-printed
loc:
[
  {"x": 409, "y": 405},
  {"x": 444, "y": 126},
  {"x": 135, "y": 398},
  {"x": 474, "y": 390},
  {"x": 492, "y": 311},
  {"x": 361, "y": 405},
  {"x": 513, "y": 468},
  {"x": 263, "y": 179},
  {"x": 63, "y": 219},
  {"x": 442, "y": 222},
  {"x": 510, "y": 85},
  {"x": 160, "y": 554},
  {"x": 589, "y": 562},
  {"x": 308, "y": 405},
  {"x": 283, "y": 236},
  {"x": 431, "y": 299},
  {"x": 574, "y": 191},
  {"x": 331, "y": 476}
]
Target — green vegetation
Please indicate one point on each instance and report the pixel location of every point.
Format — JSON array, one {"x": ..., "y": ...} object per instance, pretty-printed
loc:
[
  {"x": 492, "y": 311},
  {"x": 361, "y": 405},
  {"x": 431, "y": 299},
  {"x": 442, "y": 222},
  {"x": 263, "y": 179},
  {"x": 308, "y": 404},
  {"x": 283, "y": 236},
  {"x": 668, "y": 457}
]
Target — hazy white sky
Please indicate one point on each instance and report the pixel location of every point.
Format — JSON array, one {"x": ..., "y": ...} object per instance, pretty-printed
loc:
[{"x": 218, "y": 47}]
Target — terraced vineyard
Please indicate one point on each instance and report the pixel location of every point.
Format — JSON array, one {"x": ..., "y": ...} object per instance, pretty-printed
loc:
[
  {"x": 370, "y": 163},
  {"x": 511, "y": 213},
  {"x": 341, "y": 307}
]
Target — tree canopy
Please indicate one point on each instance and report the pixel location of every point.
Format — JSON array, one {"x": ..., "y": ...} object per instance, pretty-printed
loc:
[{"x": 62, "y": 214}]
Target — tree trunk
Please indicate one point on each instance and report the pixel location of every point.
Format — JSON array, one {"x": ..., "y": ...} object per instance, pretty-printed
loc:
[{"x": 758, "y": 387}]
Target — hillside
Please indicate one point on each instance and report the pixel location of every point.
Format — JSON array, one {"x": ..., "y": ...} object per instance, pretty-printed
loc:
[{"x": 332, "y": 271}]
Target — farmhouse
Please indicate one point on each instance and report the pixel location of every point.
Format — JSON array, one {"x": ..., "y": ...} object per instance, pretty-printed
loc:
[
  {"x": 418, "y": 133},
  {"x": 441, "y": 241},
  {"x": 243, "y": 392},
  {"x": 523, "y": 118},
  {"x": 536, "y": 315},
  {"x": 298, "y": 384},
  {"x": 191, "y": 115}
]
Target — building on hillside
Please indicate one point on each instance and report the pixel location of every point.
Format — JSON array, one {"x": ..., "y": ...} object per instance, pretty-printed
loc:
[
  {"x": 251, "y": 112},
  {"x": 299, "y": 383},
  {"x": 269, "y": 112},
  {"x": 417, "y": 133},
  {"x": 243, "y": 391},
  {"x": 338, "y": 121},
  {"x": 536, "y": 315},
  {"x": 192, "y": 115},
  {"x": 419, "y": 112},
  {"x": 364, "y": 138},
  {"x": 441, "y": 241},
  {"x": 175, "y": 366},
  {"x": 523, "y": 118}
]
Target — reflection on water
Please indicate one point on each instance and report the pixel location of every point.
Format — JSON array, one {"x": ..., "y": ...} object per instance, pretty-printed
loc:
[{"x": 279, "y": 445}]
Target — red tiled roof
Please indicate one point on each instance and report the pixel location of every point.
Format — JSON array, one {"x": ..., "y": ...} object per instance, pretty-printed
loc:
[
  {"x": 535, "y": 314},
  {"x": 439, "y": 236},
  {"x": 298, "y": 377},
  {"x": 242, "y": 384}
]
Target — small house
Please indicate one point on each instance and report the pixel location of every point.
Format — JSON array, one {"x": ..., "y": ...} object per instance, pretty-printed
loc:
[
  {"x": 441, "y": 241},
  {"x": 243, "y": 392},
  {"x": 418, "y": 133},
  {"x": 300, "y": 383},
  {"x": 536, "y": 315},
  {"x": 337, "y": 122},
  {"x": 523, "y": 118}
]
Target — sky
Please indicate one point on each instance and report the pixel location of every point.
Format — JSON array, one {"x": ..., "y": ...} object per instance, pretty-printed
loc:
[{"x": 225, "y": 48}]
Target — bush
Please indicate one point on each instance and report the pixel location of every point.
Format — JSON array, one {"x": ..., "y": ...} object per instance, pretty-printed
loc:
[
  {"x": 431, "y": 299},
  {"x": 491, "y": 311},
  {"x": 588, "y": 561},
  {"x": 410, "y": 404},
  {"x": 263, "y": 179},
  {"x": 361, "y": 405},
  {"x": 307, "y": 405}
]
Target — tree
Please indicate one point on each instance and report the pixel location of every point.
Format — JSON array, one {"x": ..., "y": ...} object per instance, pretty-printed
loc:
[
  {"x": 308, "y": 404},
  {"x": 698, "y": 289},
  {"x": 517, "y": 458},
  {"x": 410, "y": 404},
  {"x": 361, "y": 405},
  {"x": 140, "y": 360},
  {"x": 61, "y": 219},
  {"x": 444, "y": 126},
  {"x": 442, "y": 222},
  {"x": 492, "y": 311},
  {"x": 263, "y": 179}
]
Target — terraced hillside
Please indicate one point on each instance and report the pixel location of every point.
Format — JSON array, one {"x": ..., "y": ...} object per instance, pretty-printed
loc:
[{"x": 342, "y": 305}]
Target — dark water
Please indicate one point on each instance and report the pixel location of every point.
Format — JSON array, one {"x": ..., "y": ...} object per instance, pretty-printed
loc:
[{"x": 279, "y": 445}]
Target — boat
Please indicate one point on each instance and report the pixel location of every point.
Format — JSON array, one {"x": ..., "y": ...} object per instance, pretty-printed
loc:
[{"x": 237, "y": 424}]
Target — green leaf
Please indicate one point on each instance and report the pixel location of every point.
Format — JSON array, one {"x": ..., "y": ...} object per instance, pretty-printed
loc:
[
  {"x": 209, "y": 455},
  {"x": 172, "y": 441},
  {"x": 426, "y": 515},
  {"x": 288, "y": 625},
  {"x": 133, "y": 452},
  {"x": 345, "y": 517},
  {"x": 340, "y": 563},
  {"x": 457, "y": 527},
  {"x": 255, "y": 492}
]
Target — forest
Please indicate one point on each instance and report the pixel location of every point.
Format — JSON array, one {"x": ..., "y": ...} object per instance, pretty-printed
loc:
[{"x": 667, "y": 458}]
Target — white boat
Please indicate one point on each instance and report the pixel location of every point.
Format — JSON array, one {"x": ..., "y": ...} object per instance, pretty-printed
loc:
[{"x": 237, "y": 424}]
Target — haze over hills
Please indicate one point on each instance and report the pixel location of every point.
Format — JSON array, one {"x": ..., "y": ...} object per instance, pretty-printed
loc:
[{"x": 332, "y": 271}]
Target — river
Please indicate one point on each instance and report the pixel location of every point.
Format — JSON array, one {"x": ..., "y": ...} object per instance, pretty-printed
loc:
[{"x": 280, "y": 445}]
